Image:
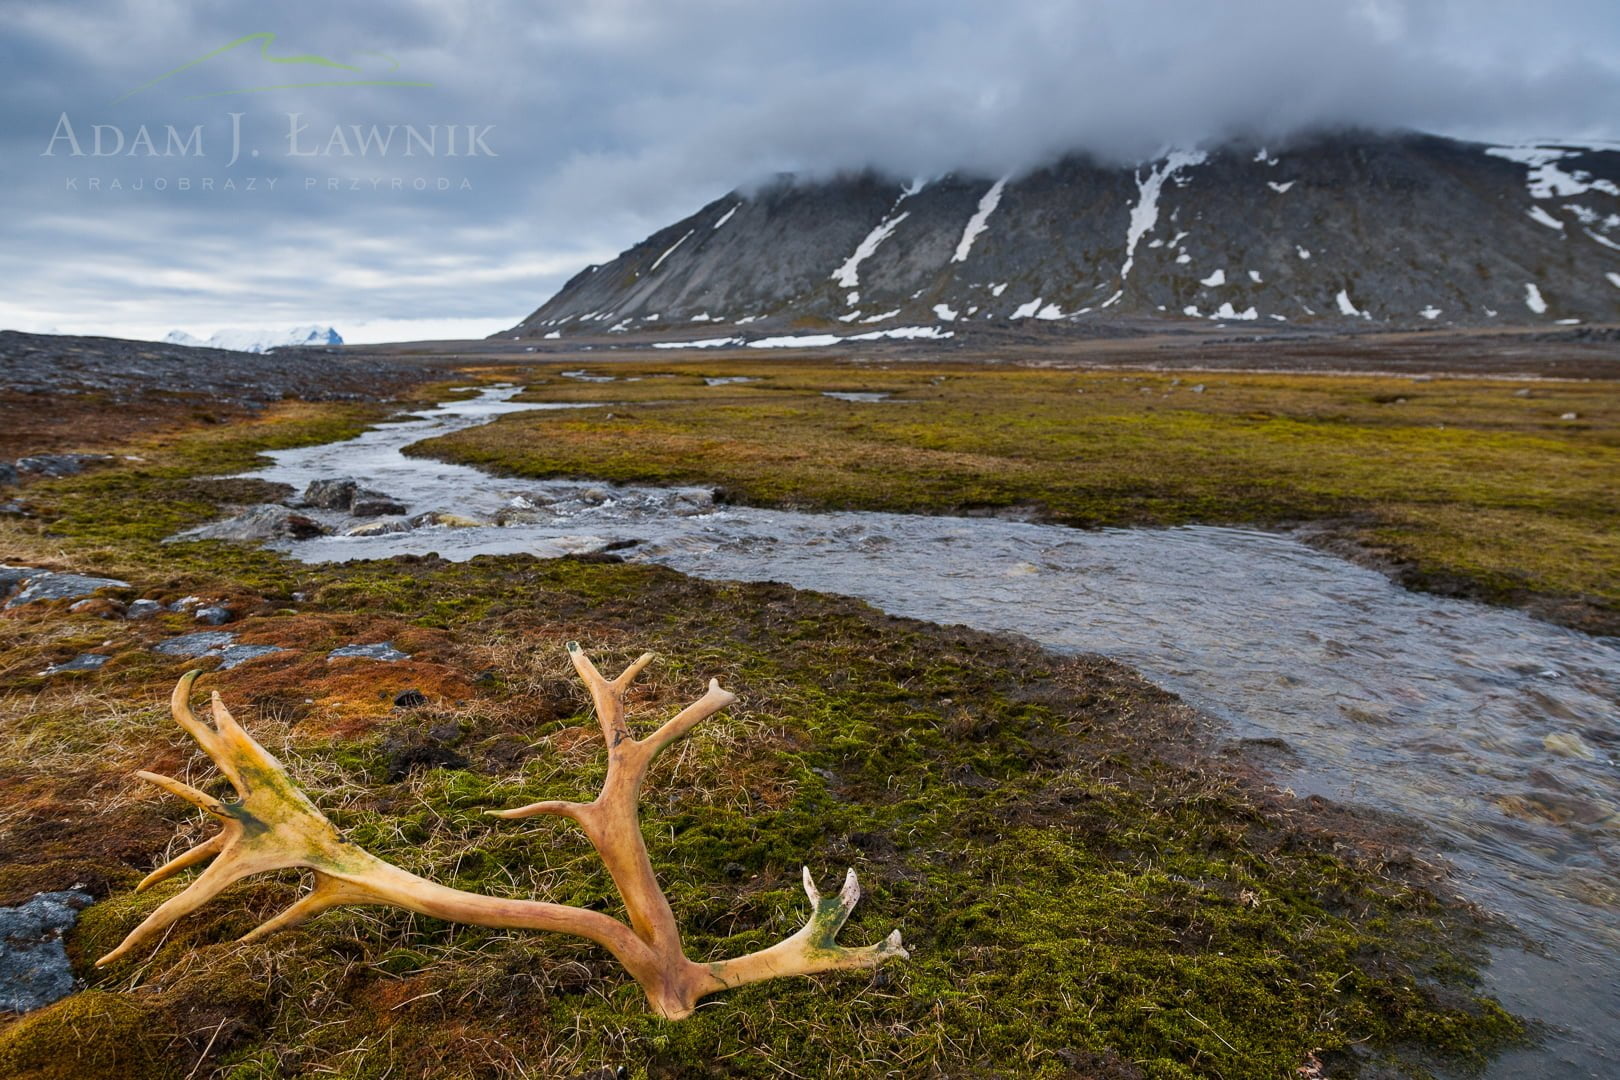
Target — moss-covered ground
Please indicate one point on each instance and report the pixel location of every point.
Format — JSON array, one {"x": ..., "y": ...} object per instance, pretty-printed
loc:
[
  {"x": 1086, "y": 889},
  {"x": 1495, "y": 489}
]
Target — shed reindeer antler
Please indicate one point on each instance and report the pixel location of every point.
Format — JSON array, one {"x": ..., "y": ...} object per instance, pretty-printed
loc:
[{"x": 273, "y": 826}]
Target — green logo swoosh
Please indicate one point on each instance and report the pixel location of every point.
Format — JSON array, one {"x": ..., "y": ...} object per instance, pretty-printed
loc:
[{"x": 265, "y": 40}]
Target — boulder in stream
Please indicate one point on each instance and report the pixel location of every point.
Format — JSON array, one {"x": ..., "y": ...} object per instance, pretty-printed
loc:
[
  {"x": 375, "y": 504},
  {"x": 336, "y": 493},
  {"x": 269, "y": 522}
]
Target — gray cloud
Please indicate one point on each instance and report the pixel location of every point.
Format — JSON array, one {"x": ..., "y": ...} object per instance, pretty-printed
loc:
[{"x": 615, "y": 117}]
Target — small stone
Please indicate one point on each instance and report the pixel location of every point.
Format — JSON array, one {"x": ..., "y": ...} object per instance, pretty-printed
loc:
[
  {"x": 13, "y": 508},
  {"x": 8, "y": 474},
  {"x": 375, "y": 504},
  {"x": 382, "y": 650},
  {"x": 448, "y": 520},
  {"x": 82, "y": 662},
  {"x": 143, "y": 609},
  {"x": 1198, "y": 388},
  {"x": 185, "y": 603},
  {"x": 214, "y": 615},
  {"x": 34, "y": 968},
  {"x": 1570, "y": 416},
  {"x": 380, "y": 528},
  {"x": 410, "y": 699}
]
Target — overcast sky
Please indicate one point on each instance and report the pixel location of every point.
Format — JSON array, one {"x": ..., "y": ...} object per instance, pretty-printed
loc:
[{"x": 606, "y": 119}]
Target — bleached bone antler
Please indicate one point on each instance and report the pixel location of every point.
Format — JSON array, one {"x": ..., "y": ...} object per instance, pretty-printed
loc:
[{"x": 272, "y": 826}]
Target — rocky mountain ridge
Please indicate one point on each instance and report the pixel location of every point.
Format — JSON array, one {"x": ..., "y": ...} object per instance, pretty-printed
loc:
[{"x": 1348, "y": 229}]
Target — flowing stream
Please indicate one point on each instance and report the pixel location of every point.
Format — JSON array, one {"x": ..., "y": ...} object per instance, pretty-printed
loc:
[{"x": 1497, "y": 732}]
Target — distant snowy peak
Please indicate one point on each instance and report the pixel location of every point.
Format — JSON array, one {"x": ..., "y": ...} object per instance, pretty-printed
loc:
[
  {"x": 237, "y": 339},
  {"x": 1347, "y": 228}
]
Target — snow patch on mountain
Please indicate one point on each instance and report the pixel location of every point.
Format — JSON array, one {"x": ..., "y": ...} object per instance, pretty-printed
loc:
[
  {"x": 1541, "y": 217},
  {"x": 976, "y": 223},
  {"x": 237, "y": 339},
  {"x": 659, "y": 261},
  {"x": 1145, "y": 214},
  {"x": 849, "y": 274},
  {"x": 1545, "y": 178}
]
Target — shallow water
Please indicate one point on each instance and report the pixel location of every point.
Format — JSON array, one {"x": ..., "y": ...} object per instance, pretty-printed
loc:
[{"x": 1498, "y": 732}]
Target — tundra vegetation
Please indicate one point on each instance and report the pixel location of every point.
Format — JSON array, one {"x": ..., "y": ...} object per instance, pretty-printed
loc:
[{"x": 1087, "y": 886}]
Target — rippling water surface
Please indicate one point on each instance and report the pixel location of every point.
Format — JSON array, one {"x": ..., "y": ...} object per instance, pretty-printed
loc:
[{"x": 1499, "y": 732}]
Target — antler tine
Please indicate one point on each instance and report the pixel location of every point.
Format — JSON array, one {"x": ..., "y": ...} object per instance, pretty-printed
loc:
[
  {"x": 328, "y": 893},
  {"x": 200, "y": 799},
  {"x": 688, "y": 718},
  {"x": 180, "y": 708},
  {"x": 628, "y": 675},
  {"x": 607, "y": 698},
  {"x": 209, "y": 884},
  {"x": 555, "y": 807},
  {"x": 814, "y": 947},
  {"x": 202, "y": 852}
]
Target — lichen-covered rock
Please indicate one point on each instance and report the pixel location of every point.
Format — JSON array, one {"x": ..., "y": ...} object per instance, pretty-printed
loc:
[
  {"x": 82, "y": 662},
  {"x": 269, "y": 522},
  {"x": 49, "y": 585},
  {"x": 232, "y": 655},
  {"x": 198, "y": 644},
  {"x": 142, "y": 609},
  {"x": 34, "y": 968},
  {"x": 59, "y": 464},
  {"x": 382, "y": 650}
]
